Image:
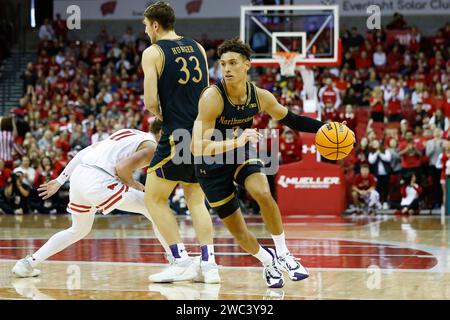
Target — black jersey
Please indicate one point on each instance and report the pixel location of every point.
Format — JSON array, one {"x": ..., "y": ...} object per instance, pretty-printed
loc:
[
  {"x": 183, "y": 77},
  {"x": 229, "y": 125},
  {"x": 236, "y": 117}
]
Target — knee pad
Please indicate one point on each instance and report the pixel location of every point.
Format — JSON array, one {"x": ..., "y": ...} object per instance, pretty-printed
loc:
[{"x": 227, "y": 209}]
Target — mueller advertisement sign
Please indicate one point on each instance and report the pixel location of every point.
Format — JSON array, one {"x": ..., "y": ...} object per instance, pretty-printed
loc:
[{"x": 311, "y": 188}]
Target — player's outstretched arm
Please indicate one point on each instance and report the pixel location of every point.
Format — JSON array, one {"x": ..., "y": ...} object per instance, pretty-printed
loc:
[
  {"x": 278, "y": 112},
  {"x": 209, "y": 109},
  {"x": 150, "y": 59},
  {"x": 138, "y": 160},
  {"x": 270, "y": 105}
]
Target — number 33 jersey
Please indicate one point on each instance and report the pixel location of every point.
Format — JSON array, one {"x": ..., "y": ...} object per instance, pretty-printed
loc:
[{"x": 183, "y": 76}]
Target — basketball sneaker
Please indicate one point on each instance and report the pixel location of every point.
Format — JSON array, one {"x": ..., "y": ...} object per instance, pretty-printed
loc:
[
  {"x": 176, "y": 271},
  {"x": 207, "y": 272},
  {"x": 293, "y": 267},
  {"x": 271, "y": 274},
  {"x": 23, "y": 269}
]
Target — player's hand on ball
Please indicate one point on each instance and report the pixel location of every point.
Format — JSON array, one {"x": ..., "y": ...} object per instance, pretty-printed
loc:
[
  {"x": 249, "y": 135},
  {"x": 48, "y": 189}
]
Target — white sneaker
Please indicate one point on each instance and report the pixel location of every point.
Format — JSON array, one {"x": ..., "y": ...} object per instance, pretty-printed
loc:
[
  {"x": 207, "y": 272},
  {"x": 271, "y": 274},
  {"x": 177, "y": 271},
  {"x": 23, "y": 269},
  {"x": 385, "y": 206},
  {"x": 293, "y": 267}
]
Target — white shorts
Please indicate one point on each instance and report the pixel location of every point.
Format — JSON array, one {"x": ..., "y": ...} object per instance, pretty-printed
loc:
[{"x": 92, "y": 190}]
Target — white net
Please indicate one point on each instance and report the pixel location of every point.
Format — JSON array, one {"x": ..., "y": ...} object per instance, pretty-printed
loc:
[{"x": 287, "y": 61}]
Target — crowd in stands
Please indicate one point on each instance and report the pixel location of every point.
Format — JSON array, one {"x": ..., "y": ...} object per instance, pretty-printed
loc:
[{"x": 79, "y": 92}]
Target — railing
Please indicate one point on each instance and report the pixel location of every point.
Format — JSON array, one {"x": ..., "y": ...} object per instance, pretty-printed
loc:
[{"x": 19, "y": 41}]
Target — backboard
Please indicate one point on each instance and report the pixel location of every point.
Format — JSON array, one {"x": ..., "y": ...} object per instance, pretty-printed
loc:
[{"x": 310, "y": 30}]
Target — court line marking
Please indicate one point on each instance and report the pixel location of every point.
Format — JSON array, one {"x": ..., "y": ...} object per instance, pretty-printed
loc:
[
  {"x": 156, "y": 244},
  {"x": 187, "y": 286},
  {"x": 155, "y": 264},
  {"x": 301, "y": 255}
]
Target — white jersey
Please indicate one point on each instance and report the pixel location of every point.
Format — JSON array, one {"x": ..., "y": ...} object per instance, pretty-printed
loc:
[{"x": 120, "y": 145}]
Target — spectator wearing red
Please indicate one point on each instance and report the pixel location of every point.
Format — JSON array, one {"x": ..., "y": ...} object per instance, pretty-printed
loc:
[
  {"x": 363, "y": 190},
  {"x": 394, "y": 59},
  {"x": 411, "y": 155},
  {"x": 46, "y": 171},
  {"x": 349, "y": 116},
  {"x": 416, "y": 37},
  {"x": 393, "y": 95},
  {"x": 418, "y": 115},
  {"x": 8, "y": 134},
  {"x": 290, "y": 147},
  {"x": 60, "y": 161},
  {"x": 437, "y": 98},
  {"x": 5, "y": 175},
  {"x": 363, "y": 61},
  {"x": 60, "y": 27},
  {"x": 329, "y": 94},
  {"x": 342, "y": 84},
  {"x": 329, "y": 113}
]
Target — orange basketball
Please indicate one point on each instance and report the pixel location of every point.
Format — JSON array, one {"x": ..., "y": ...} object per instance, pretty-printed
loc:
[{"x": 334, "y": 141}]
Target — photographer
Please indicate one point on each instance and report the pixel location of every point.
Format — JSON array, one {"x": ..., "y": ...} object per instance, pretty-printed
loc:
[{"x": 16, "y": 194}]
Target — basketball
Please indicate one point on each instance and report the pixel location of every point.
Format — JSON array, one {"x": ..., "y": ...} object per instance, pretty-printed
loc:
[{"x": 334, "y": 141}]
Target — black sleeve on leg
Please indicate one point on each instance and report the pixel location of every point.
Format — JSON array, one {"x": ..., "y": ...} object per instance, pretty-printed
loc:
[{"x": 301, "y": 123}]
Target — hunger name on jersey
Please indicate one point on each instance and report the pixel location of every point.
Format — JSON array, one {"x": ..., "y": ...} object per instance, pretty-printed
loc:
[{"x": 182, "y": 49}]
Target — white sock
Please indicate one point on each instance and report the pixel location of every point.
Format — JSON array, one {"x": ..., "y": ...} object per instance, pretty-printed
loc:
[
  {"x": 81, "y": 225},
  {"x": 264, "y": 256},
  {"x": 208, "y": 253},
  {"x": 179, "y": 251},
  {"x": 280, "y": 244}
]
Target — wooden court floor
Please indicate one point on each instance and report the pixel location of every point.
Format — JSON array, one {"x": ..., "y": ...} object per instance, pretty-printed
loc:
[{"x": 383, "y": 257}]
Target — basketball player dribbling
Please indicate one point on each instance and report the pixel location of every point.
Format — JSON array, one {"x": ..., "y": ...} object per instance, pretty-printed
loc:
[
  {"x": 100, "y": 180},
  {"x": 227, "y": 106},
  {"x": 176, "y": 72}
]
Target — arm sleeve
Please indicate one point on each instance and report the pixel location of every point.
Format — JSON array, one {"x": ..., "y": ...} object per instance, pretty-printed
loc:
[
  {"x": 67, "y": 172},
  {"x": 301, "y": 123}
]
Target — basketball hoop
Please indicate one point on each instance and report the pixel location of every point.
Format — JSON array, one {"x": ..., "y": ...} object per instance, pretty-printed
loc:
[{"x": 286, "y": 60}]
